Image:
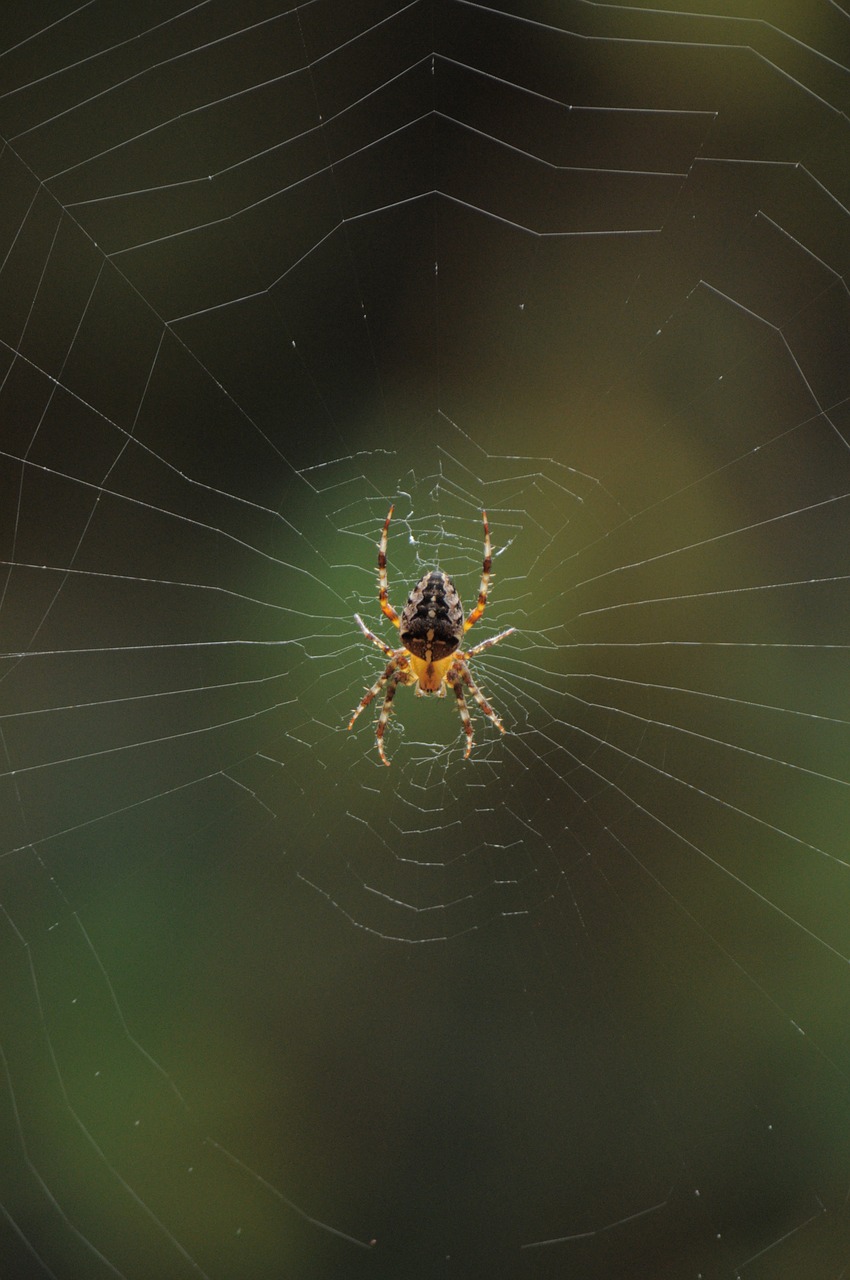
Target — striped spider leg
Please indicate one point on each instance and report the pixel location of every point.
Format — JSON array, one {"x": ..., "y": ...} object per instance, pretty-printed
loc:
[
  {"x": 396, "y": 673},
  {"x": 459, "y": 674}
]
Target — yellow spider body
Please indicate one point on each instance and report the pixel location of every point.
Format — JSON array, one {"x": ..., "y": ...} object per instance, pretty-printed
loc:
[
  {"x": 431, "y": 627},
  {"x": 430, "y": 677}
]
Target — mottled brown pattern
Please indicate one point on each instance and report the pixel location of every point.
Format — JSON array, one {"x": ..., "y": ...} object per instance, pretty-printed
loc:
[{"x": 432, "y": 619}]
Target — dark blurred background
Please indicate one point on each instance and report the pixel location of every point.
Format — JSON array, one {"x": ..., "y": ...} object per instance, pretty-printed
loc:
[{"x": 579, "y": 1005}]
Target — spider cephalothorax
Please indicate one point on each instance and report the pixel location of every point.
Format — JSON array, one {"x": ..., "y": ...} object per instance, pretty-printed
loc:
[{"x": 431, "y": 628}]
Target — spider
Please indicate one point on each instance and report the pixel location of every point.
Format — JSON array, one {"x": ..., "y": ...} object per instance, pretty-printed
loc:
[{"x": 430, "y": 629}]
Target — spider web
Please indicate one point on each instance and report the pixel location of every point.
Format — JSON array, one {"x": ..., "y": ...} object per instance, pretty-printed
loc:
[{"x": 578, "y": 1005}]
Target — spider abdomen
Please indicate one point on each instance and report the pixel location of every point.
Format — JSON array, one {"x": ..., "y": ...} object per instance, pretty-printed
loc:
[{"x": 431, "y": 624}]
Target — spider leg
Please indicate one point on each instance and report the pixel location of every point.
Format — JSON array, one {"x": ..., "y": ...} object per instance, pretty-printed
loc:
[
  {"x": 485, "y": 579},
  {"x": 383, "y": 587},
  {"x": 463, "y": 671},
  {"x": 391, "y": 653},
  {"x": 452, "y": 679},
  {"x": 395, "y": 680},
  {"x": 487, "y": 644},
  {"x": 392, "y": 669}
]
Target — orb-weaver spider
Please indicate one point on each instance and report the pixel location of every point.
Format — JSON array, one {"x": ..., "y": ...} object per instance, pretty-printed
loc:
[{"x": 431, "y": 627}]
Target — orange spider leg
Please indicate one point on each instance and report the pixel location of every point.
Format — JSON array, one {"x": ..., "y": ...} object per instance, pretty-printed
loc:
[
  {"x": 485, "y": 644},
  {"x": 463, "y": 672},
  {"x": 383, "y": 592},
  {"x": 385, "y": 648},
  {"x": 397, "y": 678},
  {"x": 452, "y": 678},
  {"x": 391, "y": 670},
  {"x": 485, "y": 579}
]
